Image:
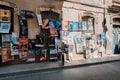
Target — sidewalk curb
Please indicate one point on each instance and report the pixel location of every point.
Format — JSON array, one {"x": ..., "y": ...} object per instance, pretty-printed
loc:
[{"x": 55, "y": 68}]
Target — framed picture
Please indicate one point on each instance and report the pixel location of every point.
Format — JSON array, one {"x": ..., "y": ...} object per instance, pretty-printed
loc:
[{"x": 5, "y": 27}]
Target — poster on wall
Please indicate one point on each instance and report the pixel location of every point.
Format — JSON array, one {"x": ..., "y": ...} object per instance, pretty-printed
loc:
[
  {"x": 6, "y": 41},
  {"x": 58, "y": 24},
  {"x": 70, "y": 40},
  {"x": 23, "y": 33},
  {"x": 77, "y": 39},
  {"x": 65, "y": 35},
  {"x": 23, "y": 43},
  {"x": 45, "y": 23},
  {"x": 70, "y": 25},
  {"x": 14, "y": 50},
  {"x": 5, "y": 27},
  {"x": 75, "y": 26},
  {"x": 39, "y": 19},
  {"x": 70, "y": 48},
  {"x": 23, "y": 55},
  {"x": 90, "y": 27},
  {"x": 51, "y": 23},
  {"x": 84, "y": 25},
  {"x": 30, "y": 56},
  {"x": 65, "y": 25},
  {"x": 80, "y": 25},
  {"x": 53, "y": 31},
  {"x": 58, "y": 43},
  {"x": 51, "y": 40},
  {"x": 5, "y": 15},
  {"x": 79, "y": 48},
  {"x": 6, "y": 55}
]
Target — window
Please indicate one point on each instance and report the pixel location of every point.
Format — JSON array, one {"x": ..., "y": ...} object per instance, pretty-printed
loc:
[{"x": 88, "y": 24}]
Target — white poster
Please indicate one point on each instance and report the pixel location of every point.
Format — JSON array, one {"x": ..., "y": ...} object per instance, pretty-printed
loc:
[{"x": 39, "y": 18}]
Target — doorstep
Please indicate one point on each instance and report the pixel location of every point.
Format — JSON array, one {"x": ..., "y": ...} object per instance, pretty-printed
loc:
[{"x": 21, "y": 69}]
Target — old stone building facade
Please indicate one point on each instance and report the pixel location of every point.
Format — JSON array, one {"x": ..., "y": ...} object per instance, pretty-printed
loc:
[{"x": 104, "y": 13}]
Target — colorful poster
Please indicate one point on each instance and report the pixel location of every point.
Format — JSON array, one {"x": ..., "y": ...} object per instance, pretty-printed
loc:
[
  {"x": 53, "y": 31},
  {"x": 65, "y": 25},
  {"x": 30, "y": 56},
  {"x": 75, "y": 26},
  {"x": 5, "y": 27},
  {"x": 23, "y": 43},
  {"x": 5, "y": 15},
  {"x": 14, "y": 50},
  {"x": 58, "y": 24},
  {"x": 65, "y": 35},
  {"x": 23, "y": 56},
  {"x": 6, "y": 55},
  {"x": 51, "y": 23},
  {"x": 90, "y": 27},
  {"x": 45, "y": 23}
]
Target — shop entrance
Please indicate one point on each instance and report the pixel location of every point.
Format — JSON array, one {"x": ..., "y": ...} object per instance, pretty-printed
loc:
[
  {"x": 49, "y": 39},
  {"x": 116, "y": 36}
]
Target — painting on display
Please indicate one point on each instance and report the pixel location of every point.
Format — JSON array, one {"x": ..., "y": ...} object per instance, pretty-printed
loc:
[
  {"x": 5, "y": 27},
  {"x": 65, "y": 25}
]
